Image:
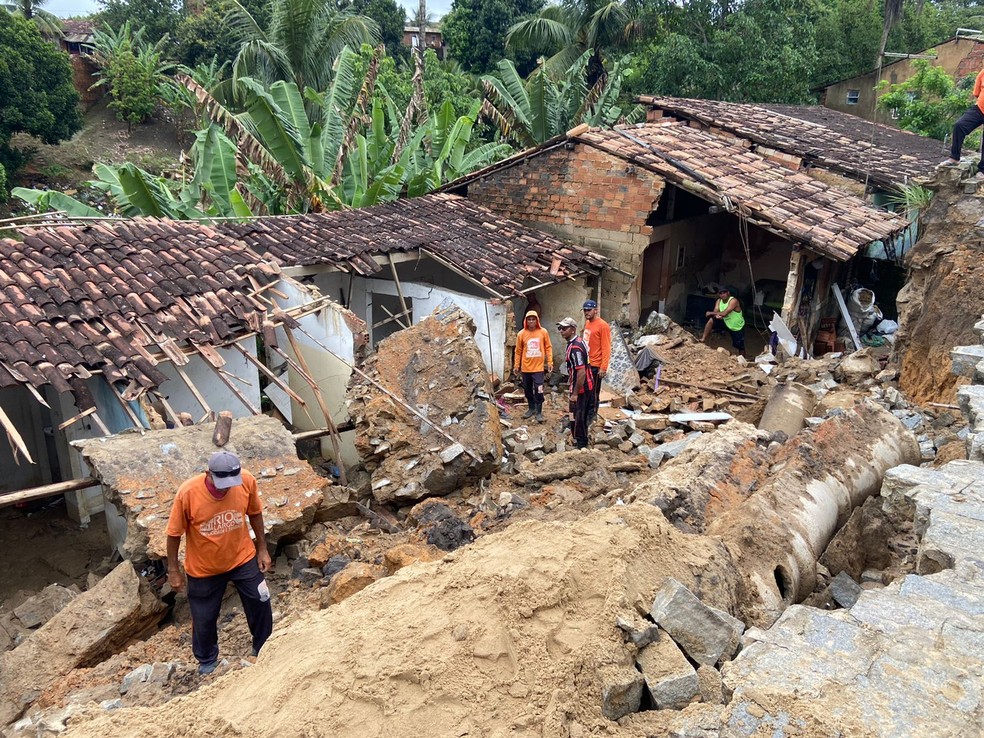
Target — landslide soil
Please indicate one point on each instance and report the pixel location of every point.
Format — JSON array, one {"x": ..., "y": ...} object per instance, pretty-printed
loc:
[{"x": 943, "y": 299}]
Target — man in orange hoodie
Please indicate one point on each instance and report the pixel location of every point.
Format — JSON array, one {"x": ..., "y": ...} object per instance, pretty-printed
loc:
[
  {"x": 533, "y": 354},
  {"x": 973, "y": 118},
  {"x": 598, "y": 336}
]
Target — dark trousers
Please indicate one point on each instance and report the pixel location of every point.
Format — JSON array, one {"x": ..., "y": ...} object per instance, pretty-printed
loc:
[
  {"x": 580, "y": 409},
  {"x": 205, "y": 599},
  {"x": 595, "y": 394},
  {"x": 533, "y": 389},
  {"x": 969, "y": 121}
]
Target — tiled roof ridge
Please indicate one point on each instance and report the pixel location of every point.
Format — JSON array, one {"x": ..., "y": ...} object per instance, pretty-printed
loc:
[{"x": 753, "y": 187}]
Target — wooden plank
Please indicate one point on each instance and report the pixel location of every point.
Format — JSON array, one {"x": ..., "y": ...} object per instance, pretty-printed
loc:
[
  {"x": 846, "y": 315},
  {"x": 76, "y": 418},
  {"x": 194, "y": 390},
  {"x": 708, "y": 389},
  {"x": 15, "y": 437},
  {"x": 232, "y": 388},
  {"x": 47, "y": 491}
]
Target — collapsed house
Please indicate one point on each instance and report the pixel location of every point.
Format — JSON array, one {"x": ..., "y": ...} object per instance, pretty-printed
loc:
[
  {"x": 145, "y": 324},
  {"x": 394, "y": 263},
  {"x": 681, "y": 204},
  {"x": 138, "y": 325}
]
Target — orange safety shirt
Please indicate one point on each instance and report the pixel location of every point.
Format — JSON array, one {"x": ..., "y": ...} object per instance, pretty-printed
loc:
[
  {"x": 216, "y": 530},
  {"x": 598, "y": 336},
  {"x": 979, "y": 90}
]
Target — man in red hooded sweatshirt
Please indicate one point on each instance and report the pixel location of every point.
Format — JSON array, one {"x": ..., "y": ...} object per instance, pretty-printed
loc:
[
  {"x": 972, "y": 119},
  {"x": 533, "y": 354}
]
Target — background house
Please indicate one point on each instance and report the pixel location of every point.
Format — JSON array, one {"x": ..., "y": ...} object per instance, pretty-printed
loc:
[{"x": 959, "y": 56}]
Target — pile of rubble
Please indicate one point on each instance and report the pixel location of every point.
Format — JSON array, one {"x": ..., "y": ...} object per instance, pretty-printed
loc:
[{"x": 425, "y": 416}]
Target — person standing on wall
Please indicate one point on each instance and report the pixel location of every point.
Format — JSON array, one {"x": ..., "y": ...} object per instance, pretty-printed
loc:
[
  {"x": 727, "y": 315},
  {"x": 580, "y": 388},
  {"x": 598, "y": 339},
  {"x": 969, "y": 121},
  {"x": 211, "y": 510},
  {"x": 533, "y": 354}
]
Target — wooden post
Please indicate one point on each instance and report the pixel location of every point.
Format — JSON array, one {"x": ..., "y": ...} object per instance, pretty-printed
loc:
[{"x": 794, "y": 283}]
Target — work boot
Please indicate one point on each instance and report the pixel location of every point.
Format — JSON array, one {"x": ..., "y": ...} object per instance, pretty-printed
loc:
[
  {"x": 530, "y": 412},
  {"x": 539, "y": 413}
]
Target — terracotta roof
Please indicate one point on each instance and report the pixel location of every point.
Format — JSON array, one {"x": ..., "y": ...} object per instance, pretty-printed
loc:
[
  {"x": 785, "y": 202},
  {"x": 790, "y": 204},
  {"x": 831, "y": 140},
  {"x": 501, "y": 254},
  {"x": 99, "y": 298}
]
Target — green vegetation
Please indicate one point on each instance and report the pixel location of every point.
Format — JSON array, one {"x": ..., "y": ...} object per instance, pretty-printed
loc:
[
  {"x": 293, "y": 105},
  {"x": 36, "y": 92},
  {"x": 926, "y": 103}
]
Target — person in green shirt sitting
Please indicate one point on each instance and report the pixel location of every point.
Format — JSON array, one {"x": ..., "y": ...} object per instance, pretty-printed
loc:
[{"x": 727, "y": 314}]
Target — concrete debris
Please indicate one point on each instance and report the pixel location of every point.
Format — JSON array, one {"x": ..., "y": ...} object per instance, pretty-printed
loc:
[
  {"x": 844, "y": 590},
  {"x": 639, "y": 635},
  {"x": 406, "y": 554},
  {"x": 92, "y": 627},
  {"x": 352, "y": 579},
  {"x": 436, "y": 367},
  {"x": 38, "y": 609},
  {"x": 715, "y": 472},
  {"x": 671, "y": 680},
  {"x": 141, "y": 473},
  {"x": 711, "y": 685},
  {"x": 706, "y": 634},
  {"x": 622, "y": 693}
]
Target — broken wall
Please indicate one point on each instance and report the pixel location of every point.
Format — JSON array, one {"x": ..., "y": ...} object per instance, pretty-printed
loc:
[
  {"x": 216, "y": 393},
  {"x": 586, "y": 196},
  {"x": 25, "y": 414},
  {"x": 329, "y": 340},
  {"x": 489, "y": 318}
]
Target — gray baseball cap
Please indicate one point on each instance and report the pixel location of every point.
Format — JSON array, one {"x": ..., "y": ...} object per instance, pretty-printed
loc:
[
  {"x": 226, "y": 470},
  {"x": 567, "y": 323}
]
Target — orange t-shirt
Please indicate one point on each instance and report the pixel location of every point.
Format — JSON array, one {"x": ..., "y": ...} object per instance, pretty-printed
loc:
[
  {"x": 979, "y": 90},
  {"x": 597, "y": 335},
  {"x": 216, "y": 531}
]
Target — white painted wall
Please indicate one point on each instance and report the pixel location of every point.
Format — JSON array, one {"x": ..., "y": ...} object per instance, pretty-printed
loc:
[
  {"x": 490, "y": 318},
  {"x": 328, "y": 344},
  {"x": 214, "y": 390}
]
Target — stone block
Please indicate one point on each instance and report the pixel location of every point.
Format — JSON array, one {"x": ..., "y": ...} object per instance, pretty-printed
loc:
[
  {"x": 671, "y": 680},
  {"x": 707, "y": 634},
  {"x": 38, "y": 609},
  {"x": 845, "y": 590},
  {"x": 621, "y": 694},
  {"x": 964, "y": 359},
  {"x": 710, "y": 684},
  {"x": 675, "y": 448},
  {"x": 352, "y": 579}
]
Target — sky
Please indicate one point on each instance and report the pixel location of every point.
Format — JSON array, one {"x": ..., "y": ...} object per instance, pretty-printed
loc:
[{"x": 66, "y": 8}]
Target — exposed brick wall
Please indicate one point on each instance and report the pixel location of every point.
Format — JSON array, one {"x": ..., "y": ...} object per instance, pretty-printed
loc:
[
  {"x": 590, "y": 197},
  {"x": 972, "y": 63},
  {"x": 83, "y": 78}
]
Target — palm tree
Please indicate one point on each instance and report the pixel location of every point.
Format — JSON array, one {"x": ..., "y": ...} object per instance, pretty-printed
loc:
[
  {"x": 299, "y": 44},
  {"x": 47, "y": 23},
  {"x": 535, "y": 110},
  {"x": 568, "y": 30}
]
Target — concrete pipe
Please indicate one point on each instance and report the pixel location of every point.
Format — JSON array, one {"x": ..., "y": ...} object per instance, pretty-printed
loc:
[
  {"x": 776, "y": 536},
  {"x": 788, "y": 408}
]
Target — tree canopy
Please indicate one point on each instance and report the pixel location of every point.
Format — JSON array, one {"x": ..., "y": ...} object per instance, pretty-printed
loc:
[
  {"x": 158, "y": 17},
  {"x": 475, "y": 32},
  {"x": 36, "y": 92}
]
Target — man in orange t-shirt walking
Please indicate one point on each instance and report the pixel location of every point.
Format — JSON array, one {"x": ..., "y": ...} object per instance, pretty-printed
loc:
[
  {"x": 598, "y": 337},
  {"x": 972, "y": 119},
  {"x": 211, "y": 510}
]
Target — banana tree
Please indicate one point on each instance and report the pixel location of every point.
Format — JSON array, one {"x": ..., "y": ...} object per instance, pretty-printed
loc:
[{"x": 540, "y": 107}]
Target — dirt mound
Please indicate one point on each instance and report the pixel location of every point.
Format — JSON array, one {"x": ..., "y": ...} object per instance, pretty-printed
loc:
[
  {"x": 510, "y": 636},
  {"x": 942, "y": 300}
]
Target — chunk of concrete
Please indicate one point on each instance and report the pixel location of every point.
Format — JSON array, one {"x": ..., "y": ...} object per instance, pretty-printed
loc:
[
  {"x": 119, "y": 609},
  {"x": 436, "y": 367},
  {"x": 140, "y": 475},
  {"x": 707, "y": 635},
  {"x": 38, "y": 609},
  {"x": 671, "y": 680},
  {"x": 845, "y": 590},
  {"x": 621, "y": 694}
]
